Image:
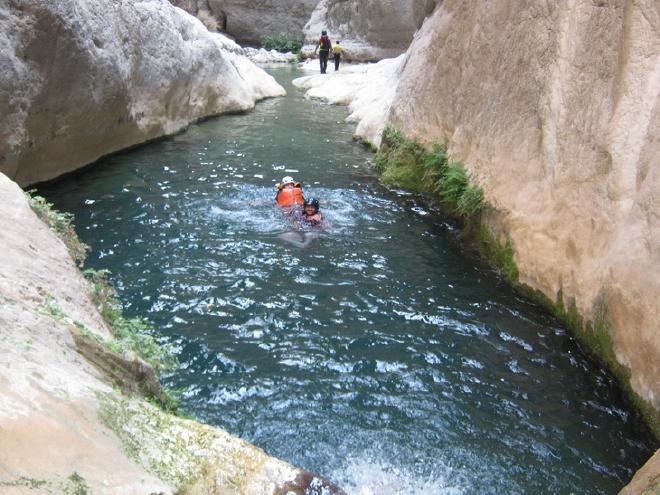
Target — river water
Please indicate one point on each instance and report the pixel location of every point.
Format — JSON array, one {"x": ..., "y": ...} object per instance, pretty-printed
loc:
[{"x": 377, "y": 356}]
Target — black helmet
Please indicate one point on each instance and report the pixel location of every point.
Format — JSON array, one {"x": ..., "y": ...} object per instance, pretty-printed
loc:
[{"x": 313, "y": 202}]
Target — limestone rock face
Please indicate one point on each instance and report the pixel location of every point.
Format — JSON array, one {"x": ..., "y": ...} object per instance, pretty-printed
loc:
[
  {"x": 214, "y": 21},
  {"x": 83, "y": 79},
  {"x": 555, "y": 109},
  {"x": 647, "y": 480},
  {"x": 368, "y": 29},
  {"x": 48, "y": 394},
  {"x": 247, "y": 20}
]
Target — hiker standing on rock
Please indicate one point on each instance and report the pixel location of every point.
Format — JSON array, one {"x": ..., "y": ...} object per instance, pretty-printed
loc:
[
  {"x": 337, "y": 50},
  {"x": 323, "y": 48}
]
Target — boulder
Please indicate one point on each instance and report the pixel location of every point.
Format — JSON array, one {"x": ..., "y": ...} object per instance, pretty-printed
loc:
[{"x": 80, "y": 80}]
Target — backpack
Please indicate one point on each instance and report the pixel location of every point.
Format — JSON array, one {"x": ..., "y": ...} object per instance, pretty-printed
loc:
[{"x": 325, "y": 43}]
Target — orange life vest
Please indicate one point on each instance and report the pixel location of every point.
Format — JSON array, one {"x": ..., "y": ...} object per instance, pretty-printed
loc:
[{"x": 290, "y": 196}]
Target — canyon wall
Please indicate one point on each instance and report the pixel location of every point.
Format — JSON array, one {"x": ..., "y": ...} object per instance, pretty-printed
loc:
[
  {"x": 247, "y": 20},
  {"x": 554, "y": 107},
  {"x": 368, "y": 29},
  {"x": 80, "y": 80}
]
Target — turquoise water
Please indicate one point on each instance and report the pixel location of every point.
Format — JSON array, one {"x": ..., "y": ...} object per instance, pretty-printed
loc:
[{"x": 378, "y": 356}]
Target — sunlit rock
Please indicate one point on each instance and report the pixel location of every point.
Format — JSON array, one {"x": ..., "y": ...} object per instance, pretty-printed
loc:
[
  {"x": 263, "y": 56},
  {"x": 555, "y": 112},
  {"x": 647, "y": 480}
]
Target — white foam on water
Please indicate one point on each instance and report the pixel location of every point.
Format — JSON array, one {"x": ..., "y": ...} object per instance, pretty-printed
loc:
[{"x": 367, "y": 477}]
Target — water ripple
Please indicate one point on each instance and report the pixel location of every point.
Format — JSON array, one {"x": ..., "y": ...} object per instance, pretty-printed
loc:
[{"x": 376, "y": 355}]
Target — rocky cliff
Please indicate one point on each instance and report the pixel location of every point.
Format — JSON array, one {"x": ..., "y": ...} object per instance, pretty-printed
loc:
[
  {"x": 83, "y": 79},
  {"x": 368, "y": 29},
  {"x": 555, "y": 109},
  {"x": 247, "y": 20}
]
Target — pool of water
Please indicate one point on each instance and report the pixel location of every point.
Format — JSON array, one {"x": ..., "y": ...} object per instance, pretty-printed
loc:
[{"x": 378, "y": 356}]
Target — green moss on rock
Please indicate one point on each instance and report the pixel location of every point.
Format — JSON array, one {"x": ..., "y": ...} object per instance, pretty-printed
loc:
[{"x": 405, "y": 163}]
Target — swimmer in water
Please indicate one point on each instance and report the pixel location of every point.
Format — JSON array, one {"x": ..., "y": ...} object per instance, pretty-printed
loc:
[
  {"x": 310, "y": 217},
  {"x": 289, "y": 192},
  {"x": 311, "y": 214}
]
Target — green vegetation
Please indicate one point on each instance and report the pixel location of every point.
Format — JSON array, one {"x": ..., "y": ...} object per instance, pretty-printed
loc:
[
  {"x": 453, "y": 182},
  {"x": 471, "y": 201},
  {"x": 398, "y": 161},
  {"x": 76, "y": 485},
  {"x": 497, "y": 255},
  {"x": 130, "y": 333},
  {"x": 30, "y": 483},
  {"x": 435, "y": 165},
  {"x": 72, "y": 485},
  {"x": 282, "y": 42},
  {"x": 52, "y": 309},
  {"x": 392, "y": 139},
  {"x": 595, "y": 339},
  {"x": 407, "y": 164},
  {"x": 192, "y": 457},
  {"x": 166, "y": 445},
  {"x": 62, "y": 224}
]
